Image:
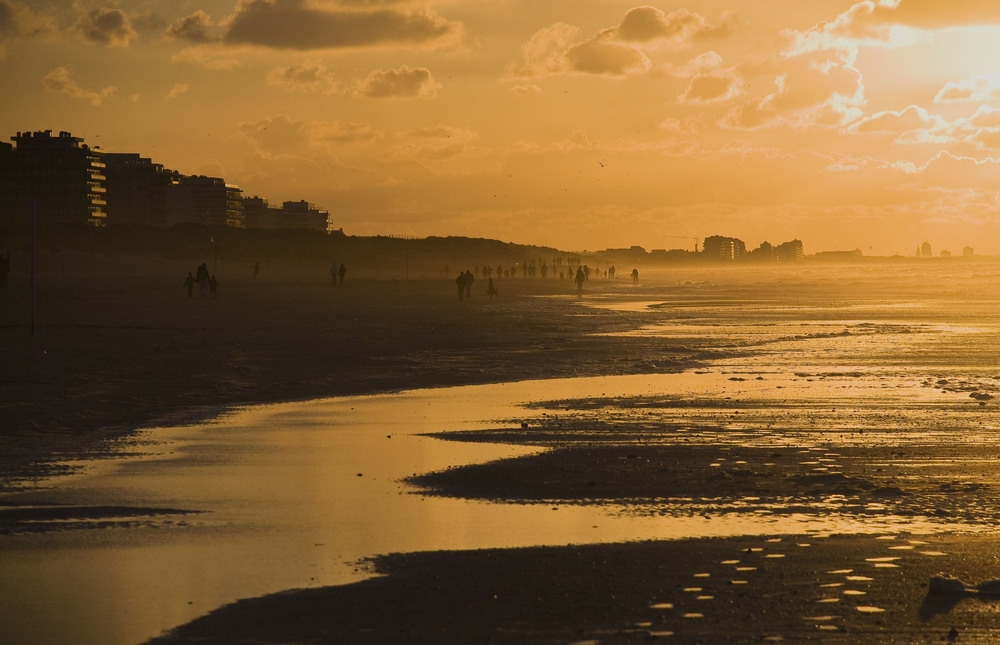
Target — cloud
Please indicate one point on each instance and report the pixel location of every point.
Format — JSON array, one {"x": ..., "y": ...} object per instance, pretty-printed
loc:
[
  {"x": 207, "y": 57},
  {"x": 602, "y": 55},
  {"x": 811, "y": 89},
  {"x": 178, "y": 90},
  {"x": 296, "y": 24},
  {"x": 18, "y": 19},
  {"x": 980, "y": 89},
  {"x": 927, "y": 14},
  {"x": 106, "y": 26},
  {"x": 713, "y": 87},
  {"x": 437, "y": 144},
  {"x": 60, "y": 81},
  {"x": 680, "y": 27},
  {"x": 542, "y": 54},
  {"x": 279, "y": 136},
  {"x": 307, "y": 77},
  {"x": 912, "y": 118},
  {"x": 526, "y": 90},
  {"x": 892, "y": 23},
  {"x": 617, "y": 51},
  {"x": 196, "y": 28},
  {"x": 405, "y": 82},
  {"x": 863, "y": 24}
]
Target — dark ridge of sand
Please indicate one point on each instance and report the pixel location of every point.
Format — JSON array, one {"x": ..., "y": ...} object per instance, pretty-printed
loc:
[
  {"x": 738, "y": 590},
  {"x": 112, "y": 355}
]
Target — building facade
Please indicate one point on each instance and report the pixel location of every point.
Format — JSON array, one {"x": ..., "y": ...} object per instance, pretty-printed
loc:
[
  {"x": 790, "y": 252},
  {"x": 204, "y": 200},
  {"x": 718, "y": 247},
  {"x": 137, "y": 190},
  {"x": 59, "y": 178},
  {"x": 66, "y": 182},
  {"x": 301, "y": 215}
]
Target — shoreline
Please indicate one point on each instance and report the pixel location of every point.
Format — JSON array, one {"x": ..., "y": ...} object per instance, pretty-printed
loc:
[{"x": 140, "y": 355}]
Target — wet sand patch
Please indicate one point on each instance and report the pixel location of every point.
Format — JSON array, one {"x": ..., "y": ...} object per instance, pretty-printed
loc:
[{"x": 618, "y": 593}]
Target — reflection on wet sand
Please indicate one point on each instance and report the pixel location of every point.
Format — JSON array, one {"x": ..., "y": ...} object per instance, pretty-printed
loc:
[{"x": 866, "y": 421}]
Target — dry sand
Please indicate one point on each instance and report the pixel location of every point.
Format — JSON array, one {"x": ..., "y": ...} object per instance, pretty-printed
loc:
[{"x": 109, "y": 356}]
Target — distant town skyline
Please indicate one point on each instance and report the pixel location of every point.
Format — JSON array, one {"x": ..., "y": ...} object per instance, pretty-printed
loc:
[{"x": 578, "y": 124}]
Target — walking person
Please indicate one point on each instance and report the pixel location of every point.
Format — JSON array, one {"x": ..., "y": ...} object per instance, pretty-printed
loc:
[
  {"x": 469, "y": 279},
  {"x": 189, "y": 284},
  {"x": 202, "y": 278},
  {"x": 580, "y": 278}
]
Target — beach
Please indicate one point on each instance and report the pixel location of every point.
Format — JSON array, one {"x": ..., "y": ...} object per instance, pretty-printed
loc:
[{"x": 856, "y": 405}]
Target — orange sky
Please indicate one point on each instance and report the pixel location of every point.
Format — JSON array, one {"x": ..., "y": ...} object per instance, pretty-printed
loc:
[{"x": 581, "y": 124}]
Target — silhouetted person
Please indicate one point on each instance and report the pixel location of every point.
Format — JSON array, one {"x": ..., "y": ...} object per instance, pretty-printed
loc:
[
  {"x": 580, "y": 278},
  {"x": 635, "y": 276},
  {"x": 202, "y": 277},
  {"x": 213, "y": 286},
  {"x": 341, "y": 272},
  {"x": 491, "y": 289},
  {"x": 460, "y": 283},
  {"x": 469, "y": 279},
  {"x": 4, "y": 268},
  {"x": 189, "y": 284}
]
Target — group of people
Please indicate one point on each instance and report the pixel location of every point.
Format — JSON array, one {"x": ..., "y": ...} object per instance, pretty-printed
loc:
[
  {"x": 466, "y": 278},
  {"x": 464, "y": 283},
  {"x": 207, "y": 284}
]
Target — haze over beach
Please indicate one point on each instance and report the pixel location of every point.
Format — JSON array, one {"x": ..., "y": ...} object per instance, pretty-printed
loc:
[{"x": 573, "y": 124}]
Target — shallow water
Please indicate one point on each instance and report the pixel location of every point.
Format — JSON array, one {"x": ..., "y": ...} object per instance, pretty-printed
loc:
[{"x": 290, "y": 496}]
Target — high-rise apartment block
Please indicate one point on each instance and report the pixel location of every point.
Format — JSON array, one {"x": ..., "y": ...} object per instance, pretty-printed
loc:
[
  {"x": 64, "y": 181},
  {"x": 719, "y": 247},
  {"x": 58, "y": 178}
]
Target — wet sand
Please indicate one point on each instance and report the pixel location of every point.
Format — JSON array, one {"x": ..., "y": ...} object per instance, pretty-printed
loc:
[
  {"x": 87, "y": 375},
  {"x": 735, "y": 590},
  {"x": 108, "y": 356}
]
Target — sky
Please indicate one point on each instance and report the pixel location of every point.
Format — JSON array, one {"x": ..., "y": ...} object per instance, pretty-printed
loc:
[{"x": 578, "y": 124}]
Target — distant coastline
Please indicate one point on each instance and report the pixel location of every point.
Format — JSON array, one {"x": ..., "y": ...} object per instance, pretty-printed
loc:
[{"x": 231, "y": 249}]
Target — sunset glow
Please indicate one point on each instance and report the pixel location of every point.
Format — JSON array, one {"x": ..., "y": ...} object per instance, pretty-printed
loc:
[{"x": 578, "y": 124}]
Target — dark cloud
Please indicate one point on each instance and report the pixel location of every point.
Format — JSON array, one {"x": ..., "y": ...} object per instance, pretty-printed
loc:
[
  {"x": 293, "y": 24},
  {"x": 196, "y": 28},
  {"x": 8, "y": 19},
  {"x": 18, "y": 19},
  {"x": 603, "y": 56},
  {"x": 106, "y": 26},
  {"x": 405, "y": 82}
]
